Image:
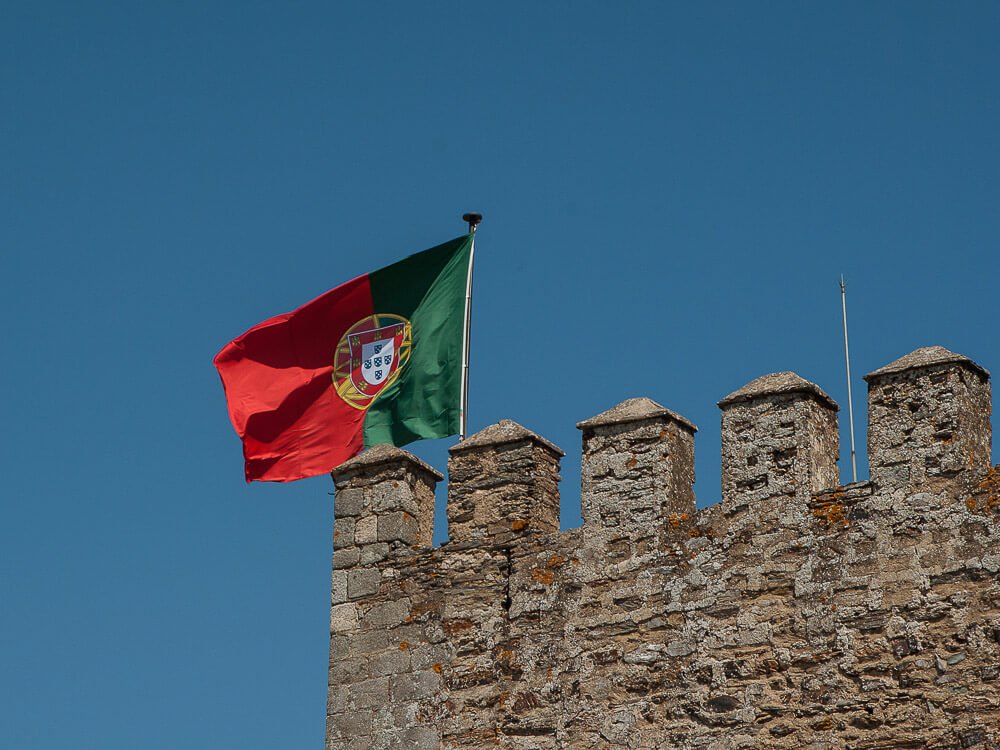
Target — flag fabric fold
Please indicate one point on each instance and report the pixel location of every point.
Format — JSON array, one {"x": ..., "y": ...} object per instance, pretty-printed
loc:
[{"x": 374, "y": 360}]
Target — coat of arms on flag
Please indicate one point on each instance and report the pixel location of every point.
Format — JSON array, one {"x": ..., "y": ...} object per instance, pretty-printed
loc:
[{"x": 369, "y": 357}]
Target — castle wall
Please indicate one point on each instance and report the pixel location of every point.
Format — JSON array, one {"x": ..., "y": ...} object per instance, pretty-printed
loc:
[{"x": 793, "y": 614}]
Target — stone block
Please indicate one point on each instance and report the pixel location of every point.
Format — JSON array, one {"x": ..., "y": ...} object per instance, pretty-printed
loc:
[
  {"x": 349, "y": 669},
  {"x": 346, "y": 557},
  {"x": 369, "y": 641},
  {"x": 366, "y": 530},
  {"x": 387, "y": 614},
  {"x": 373, "y": 553},
  {"x": 343, "y": 617},
  {"x": 362, "y": 582},
  {"x": 416, "y": 686},
  {"x": 370, "y": 694},
  {"x": 340, "y": 647},
  {"x": 343, "y": 533},
  {"x": 339, "y": 587},
  {"x": 348, "y": 502},
  {"x": 392, "y": 496},
  {"x": 391, "y": 662},
  {"x": 398, "y": 526},
  {"x": 420, "y": 738},
  {"x": 355, "y": 722}
]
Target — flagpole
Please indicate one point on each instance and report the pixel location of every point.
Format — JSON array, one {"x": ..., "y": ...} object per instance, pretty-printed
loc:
[
  {"x": 847, "y": 359},
  {"x": 473, "y": 219}
]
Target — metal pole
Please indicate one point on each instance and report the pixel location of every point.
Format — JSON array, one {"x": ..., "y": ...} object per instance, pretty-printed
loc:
[
  {"x": 463, "y": 416},
  {"x": 847, "y": 359}
]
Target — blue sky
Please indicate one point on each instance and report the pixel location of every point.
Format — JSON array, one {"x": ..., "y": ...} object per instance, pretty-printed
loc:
[{"x": 670, "y": 193}]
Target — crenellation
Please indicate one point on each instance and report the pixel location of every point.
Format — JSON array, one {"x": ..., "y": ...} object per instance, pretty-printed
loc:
[
  {"x": 795, "y": 614},
  {"x": 385, "y": 495},
  {"x": 503, "y": 481},
  {"x": 779, "y": 440},
  {"x": 928, "y": 419},
  {"x": 638, "y": 466}
]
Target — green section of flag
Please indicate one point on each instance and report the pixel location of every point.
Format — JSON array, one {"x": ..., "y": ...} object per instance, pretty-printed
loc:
[{"x": 428, "y": 289}]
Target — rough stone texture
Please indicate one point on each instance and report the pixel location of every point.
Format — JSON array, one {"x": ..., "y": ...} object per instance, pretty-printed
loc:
[
  {"x": 504, "y": 480},
  {"x": 383, "y": 511},
  {"x": 384, "y": 486},
  {"x": 790, "y": 615},
  {"x": 779, "y": 440},
  {"x": 638, "y": 466},
  {"x": 928, "y": 418},
  {"x": 777, "y": 383}
]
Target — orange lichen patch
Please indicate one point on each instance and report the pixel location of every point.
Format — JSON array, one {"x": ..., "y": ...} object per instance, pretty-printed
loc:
[
  {"x": 542, "y": 576},
  {"x": 555, "y": 561},
  {"x": 971, "y": 503},
  {"x": 437, "y": 668},
  {"x": 832, "y": 512},
  {"x": 989, "y": 487},
  {"x": 518, "y": 524},
  {"x": 991, "y": 480},
  {"x": 404, "y": 646},
  {"x": 674, "y": 520}
]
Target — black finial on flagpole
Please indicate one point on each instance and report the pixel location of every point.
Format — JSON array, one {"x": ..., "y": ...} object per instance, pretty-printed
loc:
[{"x": 473, "y": 219}]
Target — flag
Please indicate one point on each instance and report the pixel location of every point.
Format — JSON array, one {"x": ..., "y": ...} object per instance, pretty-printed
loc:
[{"x": 376, "y": 360}]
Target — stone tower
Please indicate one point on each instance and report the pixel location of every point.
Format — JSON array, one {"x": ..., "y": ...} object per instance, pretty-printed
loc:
[{"x": 796, "y": 613}]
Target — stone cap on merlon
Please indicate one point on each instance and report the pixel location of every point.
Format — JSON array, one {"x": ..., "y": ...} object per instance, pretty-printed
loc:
[
  {"x": 927, "y": 356},
  {"x": 381, "y": 454},
  {"x": 503, "y": 432},
  {"x": 778, "y": 383},
  {"x": 635, "y": 410}
]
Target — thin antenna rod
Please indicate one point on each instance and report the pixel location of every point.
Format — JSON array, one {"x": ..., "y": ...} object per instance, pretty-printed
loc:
[
  {"x": 473, "y": 220},
  {"x": 847, "y": 359}
]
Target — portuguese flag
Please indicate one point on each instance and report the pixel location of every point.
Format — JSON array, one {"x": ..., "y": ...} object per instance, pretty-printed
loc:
[{"x": 376, "y": 360}]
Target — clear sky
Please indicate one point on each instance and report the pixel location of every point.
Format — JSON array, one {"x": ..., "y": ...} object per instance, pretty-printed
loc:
[{"x": 670, "y": 193}]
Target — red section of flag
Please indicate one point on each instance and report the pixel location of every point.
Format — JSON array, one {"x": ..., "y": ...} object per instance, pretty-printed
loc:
[{"x": 278, "y": 378}]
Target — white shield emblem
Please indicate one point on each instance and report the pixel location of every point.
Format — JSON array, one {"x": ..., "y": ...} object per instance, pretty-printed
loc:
[{"x": 376, "y": 360}]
